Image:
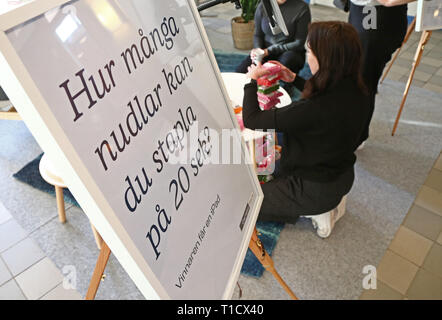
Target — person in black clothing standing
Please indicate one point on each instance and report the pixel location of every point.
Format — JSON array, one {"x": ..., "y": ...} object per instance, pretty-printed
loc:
[
  {"x": 321, "y": 131},
  {"x": 289, "y": 50},
  {"x": 381, "y": 25}
]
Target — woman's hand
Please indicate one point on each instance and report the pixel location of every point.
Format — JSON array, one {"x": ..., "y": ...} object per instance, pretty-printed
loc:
[
  {"x": 255, "y": 52},
  {"x": 286, "y": 74},
  {"x": 256, "y": 72}
]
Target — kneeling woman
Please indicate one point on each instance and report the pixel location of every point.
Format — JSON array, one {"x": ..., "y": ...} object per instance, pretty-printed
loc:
[{"x": 321, "y": 131}]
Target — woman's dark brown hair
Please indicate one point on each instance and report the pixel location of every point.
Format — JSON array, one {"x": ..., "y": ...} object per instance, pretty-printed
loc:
[{"x": 338, "y": 49}]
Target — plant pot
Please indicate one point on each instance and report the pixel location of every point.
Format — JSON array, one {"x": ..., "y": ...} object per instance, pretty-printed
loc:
[{"x": 242, "y": 33}]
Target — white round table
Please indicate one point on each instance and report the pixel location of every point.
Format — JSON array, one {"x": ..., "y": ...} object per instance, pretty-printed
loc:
[{"x": 234, "y": 83}]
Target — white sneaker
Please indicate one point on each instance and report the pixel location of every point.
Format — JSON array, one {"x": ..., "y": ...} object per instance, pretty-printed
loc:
[{"x": 324, "y": 223}]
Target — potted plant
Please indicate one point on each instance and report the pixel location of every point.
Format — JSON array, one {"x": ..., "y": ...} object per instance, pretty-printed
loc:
[{"x": 243, "y": 27}]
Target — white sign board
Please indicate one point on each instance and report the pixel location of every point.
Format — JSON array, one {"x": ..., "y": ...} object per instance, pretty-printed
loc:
[
  {"x": 429, "y": 15},
  {"x": 126, "y": 97}
]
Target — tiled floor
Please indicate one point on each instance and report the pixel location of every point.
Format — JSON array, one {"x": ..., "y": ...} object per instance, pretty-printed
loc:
[
  {"x": 25, "y": 271},
  {"x": 412, "y": 266},
  {"x": 429, "y": 72}
]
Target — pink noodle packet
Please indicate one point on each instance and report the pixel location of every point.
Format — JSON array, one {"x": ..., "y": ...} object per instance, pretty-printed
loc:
[
  {"x": 269, "y": 105},
  {"x": 270, "y": 97},
  {"x": 273, "y": 68},
  {"x": 240, "y": 121}
]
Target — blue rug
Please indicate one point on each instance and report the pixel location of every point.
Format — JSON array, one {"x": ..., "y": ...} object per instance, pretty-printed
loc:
[
  {"x": 269, "y": 231},
  {"x": 30, "y": 174}
]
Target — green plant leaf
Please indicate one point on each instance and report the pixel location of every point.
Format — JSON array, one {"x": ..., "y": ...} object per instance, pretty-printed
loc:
[{"x": 248, "y": 9}]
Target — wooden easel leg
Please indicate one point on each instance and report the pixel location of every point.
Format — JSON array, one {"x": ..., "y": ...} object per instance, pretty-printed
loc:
[
  {"x": 258, "y": 250},
  {"x": 98, "y": 271},
  {"x": 407, "y": 36},
  {"x": 417, "y": 58},
  {"x": 98, "y": 239},
  {"x": 60, "y": 204}
]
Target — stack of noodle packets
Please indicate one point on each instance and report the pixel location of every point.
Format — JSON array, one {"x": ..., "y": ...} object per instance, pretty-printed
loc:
[{"x": 268, "y": 85}]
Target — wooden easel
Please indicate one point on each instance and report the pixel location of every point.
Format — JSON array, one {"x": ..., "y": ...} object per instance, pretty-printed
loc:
[
  {"x": 425, "y": 37},
  {"x": 417, "y": 59},
  {"x": 255, "y": 246}
]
